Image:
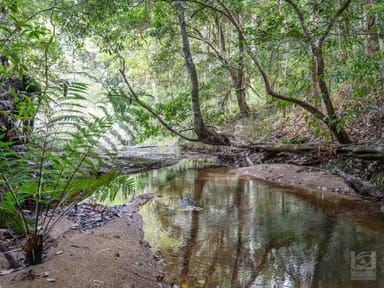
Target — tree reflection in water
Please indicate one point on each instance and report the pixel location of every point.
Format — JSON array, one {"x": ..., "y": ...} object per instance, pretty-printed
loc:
[{"x": 252, "y": 235}]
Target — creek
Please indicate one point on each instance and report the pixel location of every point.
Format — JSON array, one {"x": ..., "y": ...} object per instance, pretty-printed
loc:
[{"x": 250, "y": 234}]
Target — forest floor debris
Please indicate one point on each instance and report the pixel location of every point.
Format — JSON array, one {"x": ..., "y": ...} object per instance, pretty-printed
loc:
[{"x": 95, "y": 255}]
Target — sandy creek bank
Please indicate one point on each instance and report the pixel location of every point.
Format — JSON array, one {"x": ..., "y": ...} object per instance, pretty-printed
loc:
[{"x": 115, "y": 255}]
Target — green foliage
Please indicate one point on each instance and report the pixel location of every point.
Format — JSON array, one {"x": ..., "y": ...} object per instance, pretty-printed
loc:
[
  {"x": 297, "y": 139},
  {"x": 55, "y": 166},
  {"x": 317, "y": 127},
  {"x": 146, "y": 35},
  {"x": 378, "y": 178},
  {"x": 117, "y": 191},
  {"x": 175, "y": 112}
]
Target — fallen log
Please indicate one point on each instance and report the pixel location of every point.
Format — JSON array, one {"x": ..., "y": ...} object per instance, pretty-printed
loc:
[
  {"x": 7, "y": 254},
  {"x": 366, "y": 190},
  {"x": 361, "y": 151}
]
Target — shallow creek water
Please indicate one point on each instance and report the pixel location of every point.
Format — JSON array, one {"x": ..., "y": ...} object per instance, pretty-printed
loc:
[{"x": 249, "y": 234}]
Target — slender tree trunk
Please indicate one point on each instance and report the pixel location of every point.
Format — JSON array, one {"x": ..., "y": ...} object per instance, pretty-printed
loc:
[
  {"x": 345, "y": 31},
  {"x": 170, "y": 77},
  {"x": 286, "y": 66},
  {"x": 333, "y": 121},
  {"x": 314, "y": 19},
  {"x": 153, "y": 86},
  {"x": 315, "y": 84},
  {"x": 240, "y": 81},
  {"x": 197, "y": 117},
  {"x": 371, "y": 42},
  {"x": 237, "y": 75},
  {"x": 200, "y": 129},
  {"x": 221, "y": 37},
  {"x": 151, "y": 72}
]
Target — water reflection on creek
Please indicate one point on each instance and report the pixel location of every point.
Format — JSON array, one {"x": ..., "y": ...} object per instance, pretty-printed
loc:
[{"x": 252, "y": 235}]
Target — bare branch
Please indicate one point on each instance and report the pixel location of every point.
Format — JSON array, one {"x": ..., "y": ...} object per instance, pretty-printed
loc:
[
  {"x": 301, "y": 17},
  {"x": 204, "y": 4},
  {"x": 270, "y": 91},
  {"x": 328, "y": 26},
  {"x": 146, "y": 107},
  {"x": 333, "y": 20},
  {"x": 216, "y": 53}
]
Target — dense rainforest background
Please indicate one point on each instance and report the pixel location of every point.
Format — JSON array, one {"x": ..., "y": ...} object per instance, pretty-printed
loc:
[{"x": 80, "y": 79}]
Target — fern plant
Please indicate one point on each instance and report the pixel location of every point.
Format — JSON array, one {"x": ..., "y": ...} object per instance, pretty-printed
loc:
[{"x": 43, "y": 178}]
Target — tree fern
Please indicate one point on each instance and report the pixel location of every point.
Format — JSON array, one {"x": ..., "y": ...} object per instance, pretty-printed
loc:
[{"x": 55, "y": 168}]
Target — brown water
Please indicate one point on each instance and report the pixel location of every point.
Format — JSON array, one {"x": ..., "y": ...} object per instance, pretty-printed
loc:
[{"x": 253, "y": 235}]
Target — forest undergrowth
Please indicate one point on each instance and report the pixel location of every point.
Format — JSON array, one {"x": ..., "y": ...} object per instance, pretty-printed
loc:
[{"x": 268, "y": 125}]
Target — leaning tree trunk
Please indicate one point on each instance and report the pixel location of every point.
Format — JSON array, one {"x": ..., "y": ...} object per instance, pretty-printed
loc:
[
  {"x": 333, "y": 122},
  {"x": 202, "y": 132}
]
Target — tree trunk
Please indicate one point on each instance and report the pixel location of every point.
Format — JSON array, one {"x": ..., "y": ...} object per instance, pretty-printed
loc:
[
  {"x": 366, "y": 190},
  {"x": 315, "y": 84},
  {"x": 286, "y": 66},
  {"x": 371, "y": 42},
  {"x": 314, "y": 19},
  {"x": 202, "y": 132},
  {"x": 333, "y": 122},
  {"x": 237, "y": 74},
  {"x": 240, "y": 84},
  {"x": 354, "y": 151},
  {"x": 151, "y": 72}
]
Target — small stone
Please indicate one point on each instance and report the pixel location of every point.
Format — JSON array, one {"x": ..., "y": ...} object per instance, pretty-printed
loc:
[
  {"x": 51, "y": 279},
  {"x": 59, "y": 252},
  {"x": 45, "y": 274}
]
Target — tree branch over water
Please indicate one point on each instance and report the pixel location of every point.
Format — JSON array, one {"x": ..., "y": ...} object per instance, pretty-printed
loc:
[{"x": 135, "y": 98}]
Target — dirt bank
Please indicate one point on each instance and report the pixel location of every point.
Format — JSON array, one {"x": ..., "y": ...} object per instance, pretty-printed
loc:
[
  {"x": 113, "y": 255},
  {"x": 312, "y": 183},
  {"x": 300, "y": 176}
]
